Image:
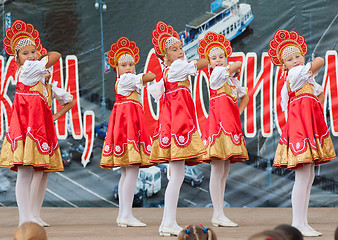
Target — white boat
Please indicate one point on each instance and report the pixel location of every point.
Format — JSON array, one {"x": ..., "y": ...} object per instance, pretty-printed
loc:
[{"x": 227, "y": 17}]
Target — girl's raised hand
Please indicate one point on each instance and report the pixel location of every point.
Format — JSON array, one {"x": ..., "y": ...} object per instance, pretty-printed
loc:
[
  {"x": 53, "y": 57},
  {"x": 148, "y": 77},
  {"x": 316, "y": 64}
]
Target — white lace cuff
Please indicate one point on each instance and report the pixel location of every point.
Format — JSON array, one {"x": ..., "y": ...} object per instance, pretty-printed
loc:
[
  {"x": 156, "y": 89},
  {"x": 61, "y": 95}
]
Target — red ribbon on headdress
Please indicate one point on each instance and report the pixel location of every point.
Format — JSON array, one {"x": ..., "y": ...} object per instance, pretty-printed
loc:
[
  {"x": 283, "y": 78},
  {"x": 284, "y": 75}
]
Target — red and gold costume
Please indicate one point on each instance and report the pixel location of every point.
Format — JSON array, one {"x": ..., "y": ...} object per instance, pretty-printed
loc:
[
  {"x": 222, "y": 134},
  {"x": 31, "y": 139},
  {"x": 127, "y": 140},
  {"x": 176, "y": 137},
  {"x": 305, "y": 137}
]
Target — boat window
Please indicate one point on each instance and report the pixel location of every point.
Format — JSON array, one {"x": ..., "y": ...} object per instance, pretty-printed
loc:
[
  {"x": 227, "y": 30},
  {"x": 231, "y": 27},
  {"x": 227, "y": 13}
]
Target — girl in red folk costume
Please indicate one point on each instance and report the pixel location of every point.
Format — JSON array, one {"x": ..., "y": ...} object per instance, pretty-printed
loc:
[
  {"x": 30, "y": 146},
  {"x": 176, "y": 140},
  {"x": 222, "y": 135},
  {"x": 127, "y": 143},
  {"x": 305, "y": 139}
]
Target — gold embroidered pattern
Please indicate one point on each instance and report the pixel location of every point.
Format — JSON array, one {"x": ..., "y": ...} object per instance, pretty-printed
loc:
[
  {"x": 224, "y": 148},
  {"x": 191, "y": 153},
  {"x": 28, "y": 154},
  {"x": 285, "y": 158},
  {"x": 129, "y": 158}
]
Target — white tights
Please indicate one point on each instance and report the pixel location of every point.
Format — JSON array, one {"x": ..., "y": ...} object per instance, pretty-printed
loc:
[
  {"x": 38, "y": 189},
  {"x": 219, "y": 173},
  {"x": 304, "y": 177},
  {"x": 30, "y": 190},
  {"x": 126, "y": 191},
  {"x": 171, "y": 194}
]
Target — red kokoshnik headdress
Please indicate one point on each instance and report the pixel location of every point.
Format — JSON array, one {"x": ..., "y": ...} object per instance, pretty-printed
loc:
[
  {"x": 161, "y": 34},
  {"x": 281, "y": 41},
  {"x": 24, "y": 34},
  {"x": 212, "y": 40},
  {"x": 123, "y": 47}
]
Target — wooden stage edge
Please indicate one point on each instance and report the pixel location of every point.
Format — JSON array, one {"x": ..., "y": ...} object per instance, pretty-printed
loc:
[{"x": 99, "y": 223}]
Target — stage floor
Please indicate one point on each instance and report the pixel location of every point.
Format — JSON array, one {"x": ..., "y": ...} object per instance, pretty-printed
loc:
[{"x": 99, "y": 223}]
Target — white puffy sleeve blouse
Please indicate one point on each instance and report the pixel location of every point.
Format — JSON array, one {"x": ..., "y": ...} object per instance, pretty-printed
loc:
[
  {"x": 298, "y": 77},
  {"x": 220, "y": 76},
  {"x": 128, "y": 83}
]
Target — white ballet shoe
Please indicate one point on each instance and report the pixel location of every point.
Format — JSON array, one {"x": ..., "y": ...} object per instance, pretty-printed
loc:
[
  {"x": 307, "y": 232},
  {"x": 309, "y": 227},
  {"x": 223, "y": 223},
  {"x": 118, "y": 220},
  {"x": 40, "y": 222},
  {"x": 121, "y": 222},
  {"x": 316, "y": 232},
  {"x": 168, "y": 231}
]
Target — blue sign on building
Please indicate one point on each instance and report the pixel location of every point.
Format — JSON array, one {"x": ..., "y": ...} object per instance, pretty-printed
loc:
[{"x": 215, "y": 5}]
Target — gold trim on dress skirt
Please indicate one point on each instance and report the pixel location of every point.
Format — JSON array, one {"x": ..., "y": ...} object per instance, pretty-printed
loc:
[
  {"x": 130, "y": 157},
  {"x": 192, "y": 153},
  {"x": 224, "y": 148},
  {"x": 285, "y": 158},
  {"x": 28, "y": 154}
]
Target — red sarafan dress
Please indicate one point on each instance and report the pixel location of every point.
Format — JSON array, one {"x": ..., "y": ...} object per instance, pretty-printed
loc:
[
  {"x": 305, "y": 137},
  {"x": 222, "y": 135},
  {"x": 127, "y": 141},
  {"x": 177, "y": 137},
  {"x": 31, "y": 139}
]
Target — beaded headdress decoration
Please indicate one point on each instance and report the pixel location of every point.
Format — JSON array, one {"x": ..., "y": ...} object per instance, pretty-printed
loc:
[
  {"x": 284, "y": 44},
  {"x": 123, "y": 51},
  {"x": 163, "y": 37},
  {"x": 213, "y": 43},
  {"x": 22, "y": 34}
]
